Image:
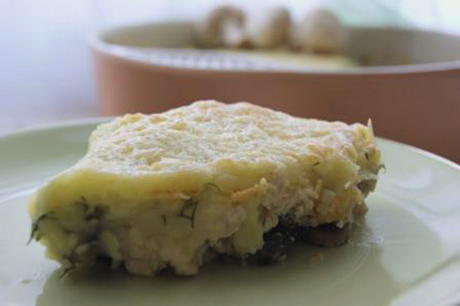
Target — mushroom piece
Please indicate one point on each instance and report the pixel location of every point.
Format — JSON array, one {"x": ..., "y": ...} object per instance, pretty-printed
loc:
[
  {"x": 320, "y": 32},
  {"x": 270, "y": 30},
  {"x": 223, "y": 27},
  {"x": 277, "y": 243},
  {"x": 325, "y": 235}
]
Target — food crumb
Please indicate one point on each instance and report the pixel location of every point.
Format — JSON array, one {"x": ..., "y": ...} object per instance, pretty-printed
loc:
[
  {"x": 316, "y": 258},
  {"x": 26, "y": 281}
]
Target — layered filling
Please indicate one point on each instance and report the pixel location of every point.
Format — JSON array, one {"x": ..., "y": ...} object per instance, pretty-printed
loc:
[
  {"x": 182, "y": 231},
  {"x": 172, "y": 190}
]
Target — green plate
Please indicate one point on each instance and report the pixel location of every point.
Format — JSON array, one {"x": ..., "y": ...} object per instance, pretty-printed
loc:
[{"x": 408, "y": 252}]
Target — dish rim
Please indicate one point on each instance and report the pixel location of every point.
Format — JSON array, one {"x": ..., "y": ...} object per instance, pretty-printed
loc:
[{"x": 97, "y": 44}]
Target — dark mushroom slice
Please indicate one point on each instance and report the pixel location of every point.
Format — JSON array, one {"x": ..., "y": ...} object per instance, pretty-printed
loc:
[
  {"x": 276, "y": 245},
  {"x": 325, "y": 235}
]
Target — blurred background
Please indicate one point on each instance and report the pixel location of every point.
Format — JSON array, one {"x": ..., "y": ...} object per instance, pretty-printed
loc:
[{"x": 47, "y": 73}]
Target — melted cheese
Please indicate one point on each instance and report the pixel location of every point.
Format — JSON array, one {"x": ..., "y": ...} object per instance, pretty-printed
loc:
[{"x": 233, "y": 146}]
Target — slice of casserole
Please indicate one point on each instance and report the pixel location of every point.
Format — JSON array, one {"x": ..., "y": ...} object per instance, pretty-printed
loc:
[{"x": 172, "y": 189}]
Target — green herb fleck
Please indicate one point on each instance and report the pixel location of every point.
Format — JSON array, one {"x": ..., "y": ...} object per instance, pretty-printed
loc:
[
  {"x": 188, "y": 211},
  {"x": 264, "y": 215},
  {"x": 68, "y": 270},
  {"x": 212, "y": 185},
  {"x": 36, "y": 225},
  {"x": 90, "y": 212},
  {"x": 366, "y": 154},
  {"x": 82, "y": 254}
]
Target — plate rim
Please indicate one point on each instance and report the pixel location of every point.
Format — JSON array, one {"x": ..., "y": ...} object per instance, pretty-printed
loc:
[
  {"x": 85, "y": 122},
  {"x": 98, "y": 120}
]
